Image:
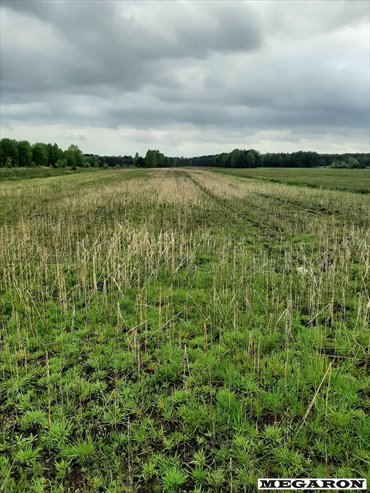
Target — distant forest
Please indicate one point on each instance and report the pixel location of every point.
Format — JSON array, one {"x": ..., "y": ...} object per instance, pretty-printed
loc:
[{"x": 21, "y": 153}]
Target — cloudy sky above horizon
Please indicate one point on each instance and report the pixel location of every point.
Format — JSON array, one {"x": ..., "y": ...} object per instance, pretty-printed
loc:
[{"x": 186, "y": 77}]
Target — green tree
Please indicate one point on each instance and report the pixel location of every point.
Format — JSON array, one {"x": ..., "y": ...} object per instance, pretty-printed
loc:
[
  {"x": 250, "y": 159},
  {"x": 352, "y": 162},
  {"x": 24, "y": 153},
  {"x": 237, "y": 158},
  {"x": 140, "y": 162},
  {"x": 70, "y": 159},
  {"x": 92, "y": 160},
  {"x": 40, "y": 155},
  {"x": 257, "y": 158},
  {"x": 154, "y": 159},
  {"x": 225, "y": 161},
  {"x": 73, "y": 157},
  {"x": 9, "y": 154},
  {"x": 136, "y": 159},
  {"x": 55, "y": 155}
]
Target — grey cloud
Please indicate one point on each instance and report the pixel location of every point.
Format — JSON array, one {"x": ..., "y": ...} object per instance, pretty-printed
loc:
[
  {"x": 308, "y": 18},
  {"x": 237, "y": 66},
  {"x": 37, "y": 8},
  {"x": 73, "y": 136},
  {"x": 94, "y": 43}
]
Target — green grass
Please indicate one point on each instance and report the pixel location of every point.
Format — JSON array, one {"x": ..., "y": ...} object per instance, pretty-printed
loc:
[
  {"x": 38, "y": 172},
  {"x": 181, "y": 330},
  {"x": 351, "y": 180}
]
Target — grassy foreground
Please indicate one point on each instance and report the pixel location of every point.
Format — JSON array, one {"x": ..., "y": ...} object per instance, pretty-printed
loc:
[{"x": 181, "y": 330}]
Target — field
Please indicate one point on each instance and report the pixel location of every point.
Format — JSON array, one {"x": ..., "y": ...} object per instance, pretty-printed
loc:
[
  {"x": 183, "y": 330},
  {"x": 355, "y": 180},
  {"x": 38, "y": 172}
]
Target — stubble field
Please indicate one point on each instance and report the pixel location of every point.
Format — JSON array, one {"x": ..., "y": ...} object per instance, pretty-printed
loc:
[{"x": 182, "y": 330}]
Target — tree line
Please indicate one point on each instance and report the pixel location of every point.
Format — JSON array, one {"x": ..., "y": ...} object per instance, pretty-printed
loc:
[
  {"x": 21, "y": 153},
  {"x": 240, "y": 158}
]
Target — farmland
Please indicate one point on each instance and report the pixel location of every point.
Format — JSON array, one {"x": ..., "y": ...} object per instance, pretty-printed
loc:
[
  {"x": 346, "y": 180},
  {"x": 183, "y": 329}
]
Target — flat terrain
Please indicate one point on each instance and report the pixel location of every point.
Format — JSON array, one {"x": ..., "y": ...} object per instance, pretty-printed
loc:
[
  {"x": 355, "y": 180},
  {"x": 38, "y": 172},
  {"x": 183, "y": 330}
]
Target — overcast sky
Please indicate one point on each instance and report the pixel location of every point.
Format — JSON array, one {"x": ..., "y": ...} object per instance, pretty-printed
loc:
[{"x": 187, "y": 78}]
